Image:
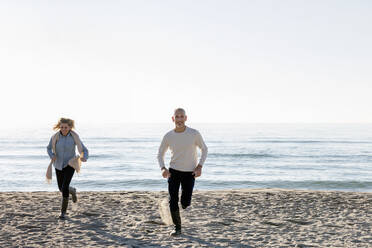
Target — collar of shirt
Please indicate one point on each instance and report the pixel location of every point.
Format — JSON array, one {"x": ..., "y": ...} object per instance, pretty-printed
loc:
[{"x": 69, "y": 134}]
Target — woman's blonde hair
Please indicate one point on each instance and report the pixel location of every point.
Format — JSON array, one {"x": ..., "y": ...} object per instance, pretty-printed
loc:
[{"x": 67, "y": 121}]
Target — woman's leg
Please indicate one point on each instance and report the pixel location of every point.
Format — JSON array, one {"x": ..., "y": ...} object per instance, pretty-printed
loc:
[
  {"x": 68, "y": 172},
  {"x": 72, "y": 191},
  {"x": 59, "y": 175}
]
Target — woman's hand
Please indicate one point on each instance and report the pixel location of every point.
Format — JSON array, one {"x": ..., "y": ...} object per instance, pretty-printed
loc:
[{"x": 54, "y": 158}]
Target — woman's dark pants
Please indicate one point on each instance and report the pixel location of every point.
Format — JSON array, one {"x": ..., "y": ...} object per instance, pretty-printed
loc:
[
  {"x": 187, "y": 181},
  {"x": 64, "y": 177}
]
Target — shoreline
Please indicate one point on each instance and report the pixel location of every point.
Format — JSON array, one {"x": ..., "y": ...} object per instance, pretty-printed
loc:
[
  {"x": 217, "y": 218},
  {"x": 202, "y": 190}
]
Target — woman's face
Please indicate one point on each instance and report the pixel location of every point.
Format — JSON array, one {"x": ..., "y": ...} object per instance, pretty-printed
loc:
[{"x": 65, "y": 128}]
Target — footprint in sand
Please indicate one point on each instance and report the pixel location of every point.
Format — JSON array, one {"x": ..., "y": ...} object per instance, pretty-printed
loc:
[{"x": 165, "y": 212}]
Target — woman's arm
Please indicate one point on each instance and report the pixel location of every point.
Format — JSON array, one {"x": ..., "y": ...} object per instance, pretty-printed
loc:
[
  {"x": 50, "y": 149},
  {"x": 85, "y": 150}
]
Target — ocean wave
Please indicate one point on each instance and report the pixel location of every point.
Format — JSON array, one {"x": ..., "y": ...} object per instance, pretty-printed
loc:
[
  {"x": 104, "y": 156},
  {"x": 350, "y": 185},
  {"x": 39, "y": 157},
  {"x": 104, "y": 184},
  {"x": 122, "y": 140},
  {"x": 241, "y": 155},
  {"x": 324, "y": 157},
  {"x": 16, "y": 147},
  {"x": 17, "y": 156},
  {"x": 310, "y": 141}
]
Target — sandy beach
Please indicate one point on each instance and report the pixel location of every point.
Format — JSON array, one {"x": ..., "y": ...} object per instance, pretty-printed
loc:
[{"x": 232, "y": 218}]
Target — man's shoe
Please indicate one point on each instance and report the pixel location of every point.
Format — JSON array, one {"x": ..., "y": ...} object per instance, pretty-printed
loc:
[
  {"x": 177, "y": 222},
  {"x": 176, "y": 232}
]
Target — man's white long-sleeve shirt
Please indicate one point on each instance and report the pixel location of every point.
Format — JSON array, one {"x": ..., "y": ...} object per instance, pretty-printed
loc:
[{"x": 183, "y": 147}]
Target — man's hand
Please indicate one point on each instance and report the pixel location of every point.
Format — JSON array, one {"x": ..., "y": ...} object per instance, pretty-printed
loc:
[
  {"x": 165, "y": 173},
  {"x": 197, "y": 171}
]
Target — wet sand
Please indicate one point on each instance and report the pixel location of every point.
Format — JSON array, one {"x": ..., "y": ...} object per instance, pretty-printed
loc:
[{"x": 231, "y": 218}]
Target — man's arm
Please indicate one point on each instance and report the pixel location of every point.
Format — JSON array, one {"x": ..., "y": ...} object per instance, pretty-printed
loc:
[
  {"x": 162, "y": 150},
  {"x": 204, "y": 149},
  {"x": 204, "y": 152}
]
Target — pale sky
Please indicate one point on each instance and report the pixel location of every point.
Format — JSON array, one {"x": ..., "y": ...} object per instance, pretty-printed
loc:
[{"x": 223, "y": 61}]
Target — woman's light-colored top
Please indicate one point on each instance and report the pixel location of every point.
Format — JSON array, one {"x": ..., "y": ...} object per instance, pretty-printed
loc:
[
  {"x": 183, "y": 148},
  {"x": 65, "y": 149}
]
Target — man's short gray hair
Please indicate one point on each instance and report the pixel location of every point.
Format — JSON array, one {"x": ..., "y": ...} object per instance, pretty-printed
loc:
[{"x": 180, "y": 109}]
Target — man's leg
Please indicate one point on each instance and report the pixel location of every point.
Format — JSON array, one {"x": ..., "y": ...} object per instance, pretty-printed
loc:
[
  {"x": 187, "y": 183},
  {"x": 173, "y": 188}
]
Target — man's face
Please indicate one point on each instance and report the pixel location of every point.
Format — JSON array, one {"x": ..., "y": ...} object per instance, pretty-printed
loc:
[{"x": 179, "y": 118}]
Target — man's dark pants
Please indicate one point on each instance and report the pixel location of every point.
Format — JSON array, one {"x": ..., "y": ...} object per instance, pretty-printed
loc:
[{"x": 187, "y": 181}]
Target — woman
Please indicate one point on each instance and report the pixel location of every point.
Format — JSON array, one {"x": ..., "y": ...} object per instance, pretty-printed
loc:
[{"x": 61, "y": 150}]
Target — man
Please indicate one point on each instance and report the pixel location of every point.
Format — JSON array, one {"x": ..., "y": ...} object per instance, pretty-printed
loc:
[{"x": 183, "y": 167}]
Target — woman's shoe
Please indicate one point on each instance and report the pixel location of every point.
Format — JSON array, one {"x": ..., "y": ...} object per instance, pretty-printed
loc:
[
  {"x": 72, "y": 191},
  {"x": 64, "y": 208}
]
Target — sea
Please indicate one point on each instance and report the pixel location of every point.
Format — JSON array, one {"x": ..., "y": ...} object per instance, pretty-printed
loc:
[{"x": 241, "y": 156}]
